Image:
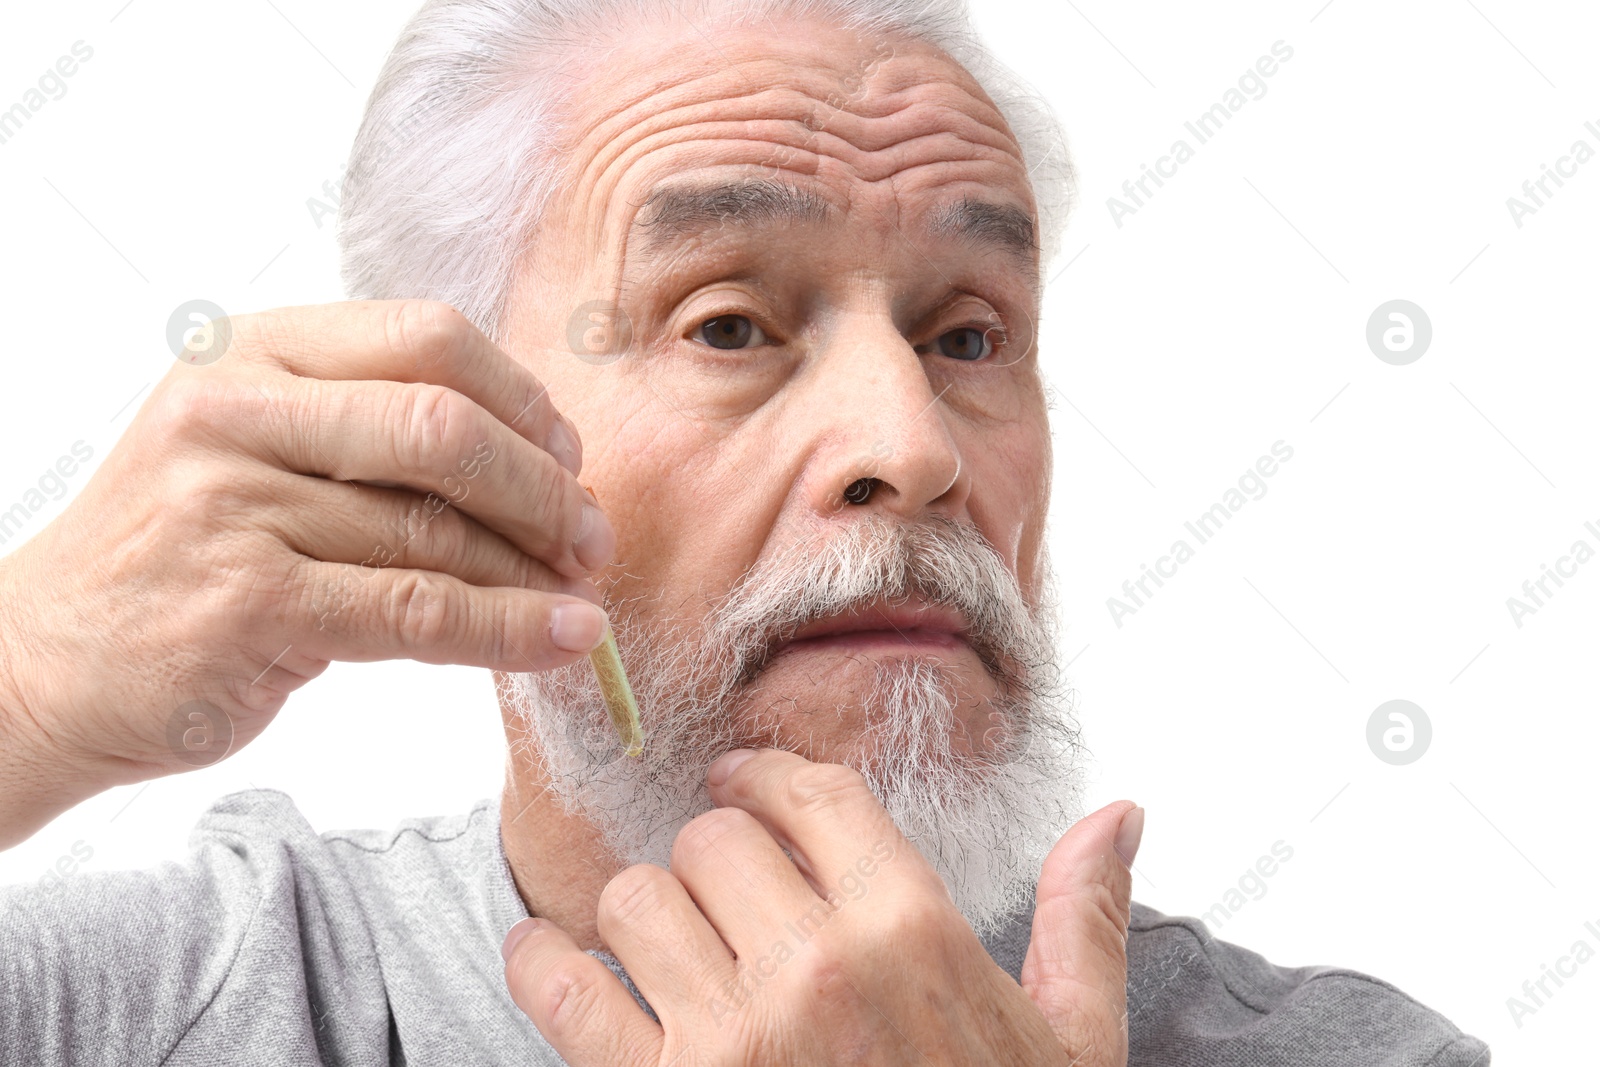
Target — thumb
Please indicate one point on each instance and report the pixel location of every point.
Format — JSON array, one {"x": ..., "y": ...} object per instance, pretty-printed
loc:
[{"x": 1077, "y": 965}]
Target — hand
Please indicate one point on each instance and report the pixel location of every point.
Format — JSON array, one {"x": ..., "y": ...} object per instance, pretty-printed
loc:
[
  {"x": 852, "y": 952},
  {"x": 358, "y": 481}
]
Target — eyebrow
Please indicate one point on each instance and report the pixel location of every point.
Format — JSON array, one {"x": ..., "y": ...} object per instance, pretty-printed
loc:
[
  {"x": 1004, "y": 226},
  {"x": 679, "y": 210},
  {"x": 674, "y": 211}
]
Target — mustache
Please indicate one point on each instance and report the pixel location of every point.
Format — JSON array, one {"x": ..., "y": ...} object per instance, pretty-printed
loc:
[{"x": 942, "y": 561}]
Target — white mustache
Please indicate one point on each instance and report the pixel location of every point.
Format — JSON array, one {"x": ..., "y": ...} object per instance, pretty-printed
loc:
[{"x": 942, "y": 561}]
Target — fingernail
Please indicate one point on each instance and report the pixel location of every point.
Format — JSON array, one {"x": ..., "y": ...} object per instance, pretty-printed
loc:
[
  {"x": 577, "y": 627},
  {"x": 596, "y": 540},
  {"x": 1129, "y": 833},
  {"x": 726, "y": 764},
  {"x": 563, "y": 444},
  {"x": 519, "y": 930}
]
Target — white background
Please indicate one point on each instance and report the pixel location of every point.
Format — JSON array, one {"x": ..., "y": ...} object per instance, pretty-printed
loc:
[{"x": 1228, "y": 313}]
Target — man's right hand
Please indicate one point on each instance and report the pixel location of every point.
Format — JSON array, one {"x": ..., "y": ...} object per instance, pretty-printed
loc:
[{"x": 358, "y": 481}]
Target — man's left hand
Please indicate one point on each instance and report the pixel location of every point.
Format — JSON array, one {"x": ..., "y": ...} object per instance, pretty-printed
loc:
[{"x": 850, "y": 952}]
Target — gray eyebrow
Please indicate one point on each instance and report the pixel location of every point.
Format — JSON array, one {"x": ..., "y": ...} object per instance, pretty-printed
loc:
[
  {"x": 678, "y": 210},
  {"x": 672, "y": 211},
  {"x": 1003, "y": 225}
]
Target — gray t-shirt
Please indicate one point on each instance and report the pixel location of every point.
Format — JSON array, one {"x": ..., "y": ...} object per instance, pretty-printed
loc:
[{"x": 274, "y": 944}]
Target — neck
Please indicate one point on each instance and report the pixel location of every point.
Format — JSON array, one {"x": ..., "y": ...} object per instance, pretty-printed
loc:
[{"x": 557, "y": 859}]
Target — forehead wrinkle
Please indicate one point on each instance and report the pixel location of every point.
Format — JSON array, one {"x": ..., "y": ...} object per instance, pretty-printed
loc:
[
  {"x": 894, "y": 124},
  {"x": 877, "y": 133}
]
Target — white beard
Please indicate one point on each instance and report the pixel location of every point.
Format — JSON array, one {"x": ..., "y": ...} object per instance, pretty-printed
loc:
[{"x": 983, "y": 811}]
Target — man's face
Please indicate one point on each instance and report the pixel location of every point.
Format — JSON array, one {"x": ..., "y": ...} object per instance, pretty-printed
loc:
[
  {"x": 788, "y": 296},
  {"x": 778, "y": 352}
]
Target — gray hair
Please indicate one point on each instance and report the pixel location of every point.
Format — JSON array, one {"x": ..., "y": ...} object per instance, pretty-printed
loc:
[{"x": 453, "y": 166}]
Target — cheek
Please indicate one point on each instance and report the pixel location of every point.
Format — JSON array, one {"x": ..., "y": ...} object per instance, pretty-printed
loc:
[
  {"x": 687, "y": 522},
  {"x": 1010, "y": 497}
]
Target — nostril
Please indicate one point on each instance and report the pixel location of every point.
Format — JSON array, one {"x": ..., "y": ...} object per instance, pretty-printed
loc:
[{"x": 859, "y": 490}]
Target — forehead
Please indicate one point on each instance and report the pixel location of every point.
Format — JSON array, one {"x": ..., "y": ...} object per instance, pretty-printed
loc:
[{"x": 683, "y": 128}]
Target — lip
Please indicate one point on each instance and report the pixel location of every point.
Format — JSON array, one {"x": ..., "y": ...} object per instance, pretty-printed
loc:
[{"x": 912, "y": 625}]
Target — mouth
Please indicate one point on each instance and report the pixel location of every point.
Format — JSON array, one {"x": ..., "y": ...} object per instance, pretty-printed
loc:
[{"x": 882, "y": 628}]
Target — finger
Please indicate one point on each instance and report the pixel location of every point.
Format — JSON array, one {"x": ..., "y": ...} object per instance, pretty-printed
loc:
[
  {"x": 341, "y": 522},
  {"x": 741, "y": 881},
  {"x": 825, "y": 815},
  {"x": 671, "y": 952},
  {"x": 1076, "y": 969},
  {"x": 580, "y": 1007},
  {"x": 419, "y": 341},
  {"x": 362, "y": 614},
  {"x": 439, "y": 442}
]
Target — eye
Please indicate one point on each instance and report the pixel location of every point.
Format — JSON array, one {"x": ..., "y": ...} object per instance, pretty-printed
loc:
[
  {"x": 967, "y": 343},
  {"x": 730, "y": 332}
]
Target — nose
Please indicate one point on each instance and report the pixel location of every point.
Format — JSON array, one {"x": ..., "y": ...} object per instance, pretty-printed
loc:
[{"x": 881, "y": 433}]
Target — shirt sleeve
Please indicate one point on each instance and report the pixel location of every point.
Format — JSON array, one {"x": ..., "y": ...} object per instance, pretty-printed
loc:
[
  {"x": 1195, "y": 1001},
  {"x": 183, "y": 962}
]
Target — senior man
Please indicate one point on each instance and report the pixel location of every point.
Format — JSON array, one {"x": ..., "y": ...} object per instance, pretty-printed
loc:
[{"x": 720, "y": 319}]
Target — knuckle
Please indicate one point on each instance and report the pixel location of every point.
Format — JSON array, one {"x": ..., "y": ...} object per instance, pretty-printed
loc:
[
  {"x": 319, "y": 400},
  {"x": 429, "y": 538},
  {"x": 496, "y": 646},
  {"x": 527, "y": 573},
  {"x": 552, "y": 497},
  {"x": 634, "y": 895},
  {"x": 823, "y": 786},
  {"x": 824, "y": 975},
  {"x": 205, "y": 488},
  {"x": 321, "y": 597},
  {"x": 252, "y": 592},
  {"x": 923, "y": 919},
  {"x": 187, "y": 406},
  {"x": 431, "y": 419},
  {"x": 1102, "y": 918},
  {"x": 191, "y": 483},
  {"x": 263, "y": 334},
  {"x": 411, "y": 529},
  {"x": 702, "y": 837},
  {"x": 421, "y": 608},
  {"x": 549, "y": 485},
  {"x": 568, "y": 997},
  {"x": 428, "y": 332}
]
